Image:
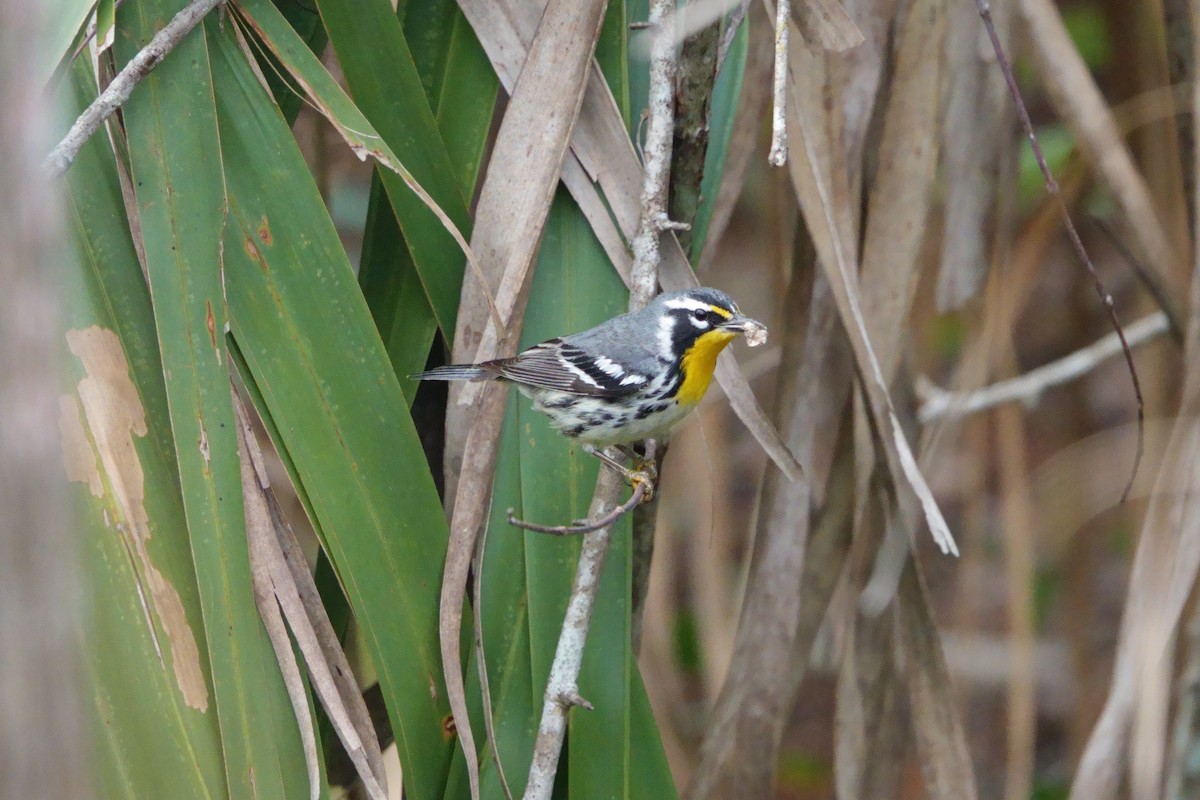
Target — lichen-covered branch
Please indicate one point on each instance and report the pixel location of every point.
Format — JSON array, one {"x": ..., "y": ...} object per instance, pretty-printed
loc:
[
  {"x": 123, "y": 84},
  {"x": 562, "y": 691}
]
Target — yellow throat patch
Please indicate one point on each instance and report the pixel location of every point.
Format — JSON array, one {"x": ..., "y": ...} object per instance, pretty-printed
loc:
[{"x": 698, "y": 364}]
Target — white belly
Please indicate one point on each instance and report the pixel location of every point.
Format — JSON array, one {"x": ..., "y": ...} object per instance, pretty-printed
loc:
[{"x": 589, "y": 420}]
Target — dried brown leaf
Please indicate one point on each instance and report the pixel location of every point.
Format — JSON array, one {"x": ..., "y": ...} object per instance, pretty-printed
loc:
[
  {"x": 285, "y": 591},
  {"x": 752, "y": 104},
  {"x": 1165, "y": 569},
  {"x": 521, "y": 179},
  {"x": 808, "y": 170},
  {"x": 1019, "y": 529},
  {"x": 902, "y": 192},
  {"x": 781, "y": 612},
  {"x": 259, "y": 536},
  {"x": 939, "y": 733},
  {"x": 975, "y": 128},
  {"x": 826, "y": 24},
  {"x": 870, "y": 730}
]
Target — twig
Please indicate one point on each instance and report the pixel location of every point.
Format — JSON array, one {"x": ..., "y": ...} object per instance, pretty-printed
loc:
[
  {"x": 1148, "y": 279},
  {"x": 643, "y": 281},
  {"x": 985, "y": 12},
  {"x": 778, "y": 155},
  {"x": 122, "y": 86},
  {"x": 562, "y": 690},
  {"x": 939, "y": 403},
  {"x": 639, "y": 494}
]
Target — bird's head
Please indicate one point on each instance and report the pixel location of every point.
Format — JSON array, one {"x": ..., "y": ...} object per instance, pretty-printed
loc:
[{"x": 694, "y": 326}]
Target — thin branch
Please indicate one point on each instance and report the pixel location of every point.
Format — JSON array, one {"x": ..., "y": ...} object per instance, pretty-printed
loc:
[
  {"x": 562, "y": 690},
  {"x": 122, "y": 86},
  {"x": 778, "y": 155},
  {"x": 1148, "y": 278},
  {"x": 643, "y": 280},
  {"x": 985, "y": 12},
  {"x": 639, "y": 494},
  {"x": 939, "y": 403}
]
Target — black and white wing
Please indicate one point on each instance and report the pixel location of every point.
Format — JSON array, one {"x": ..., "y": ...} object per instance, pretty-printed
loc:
[{"x": 559, "y": 365}]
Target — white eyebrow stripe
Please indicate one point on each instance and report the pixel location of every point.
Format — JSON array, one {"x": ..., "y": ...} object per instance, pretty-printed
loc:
[{"x": 688, "y": 303}]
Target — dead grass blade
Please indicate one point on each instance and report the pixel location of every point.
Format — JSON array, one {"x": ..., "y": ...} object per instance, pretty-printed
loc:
[
  {"x": 1164, "y": 573},
  {"x": 781, "y": 611},
  {"x": 823, "y": 22},
  {"x": 902, "y": 191},
  {"x": 752, "y": 103},
  {"x": 974, "y": 130},
  {"x": 514, "y": 202},
  {"x": 811, "y": 185},
  {"x": 603, "y": 162},
  {"x": 285, "y": 591},
  {"x": 871, "y": 731},
  {"x": 258, "y": 532},
  {"x": 1165, "y": 568},
  {"x": 1020, "y": 525},
  {"x": 826, "y": 24},
  {"x": 940, "y": 738}
]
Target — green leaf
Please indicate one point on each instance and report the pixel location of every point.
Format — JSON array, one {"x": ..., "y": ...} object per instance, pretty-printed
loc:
[
  {"x": 306, "y": 21},
  {"x": 145, "y": 656},
  {"x": 427, "y": 241},
  {"x": 105, "y": 19},
  {"x": 726, "y": 91},
  {"x": 323, "y": 377},
  {"x": 394, "y": 293},
  {"x": 366, "y": 33},
  {"x": 63, "y": 21},
  {"x": 458, "y": 80},
  {"x": 178, "y": 178}
]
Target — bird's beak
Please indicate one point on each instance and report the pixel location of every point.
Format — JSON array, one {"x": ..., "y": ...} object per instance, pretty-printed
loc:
[{"x": 756, "y": 332}]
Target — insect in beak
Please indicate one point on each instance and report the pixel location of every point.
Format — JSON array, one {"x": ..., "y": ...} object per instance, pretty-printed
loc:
[{"x": 756, "y": 332}]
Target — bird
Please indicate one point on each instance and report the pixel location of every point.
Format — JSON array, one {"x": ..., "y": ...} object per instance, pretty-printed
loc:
[{"x": 633, "y": 377}]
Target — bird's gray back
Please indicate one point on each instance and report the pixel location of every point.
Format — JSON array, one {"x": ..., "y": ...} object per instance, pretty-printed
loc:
[{"x": 623, "y": 339}]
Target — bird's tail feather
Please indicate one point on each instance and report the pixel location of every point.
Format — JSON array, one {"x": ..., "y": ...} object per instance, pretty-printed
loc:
[{"x": 455, "y": 372}]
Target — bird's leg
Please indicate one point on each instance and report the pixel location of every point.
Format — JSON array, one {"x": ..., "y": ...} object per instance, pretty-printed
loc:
[
  {"x": 640, "y": 462},
  {"x": 607, "y": 459},
  {"x": 643, "y": 471}
]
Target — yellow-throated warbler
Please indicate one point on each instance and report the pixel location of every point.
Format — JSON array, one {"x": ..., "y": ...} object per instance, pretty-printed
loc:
[{"x": 633, "y": 377}]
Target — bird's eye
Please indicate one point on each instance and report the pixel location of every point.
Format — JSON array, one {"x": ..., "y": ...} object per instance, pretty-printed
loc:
[{"x": 700, "y": 314}]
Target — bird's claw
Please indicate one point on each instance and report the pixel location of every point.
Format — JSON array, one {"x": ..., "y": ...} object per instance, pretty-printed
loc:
[{"x": 645, "y": 479}]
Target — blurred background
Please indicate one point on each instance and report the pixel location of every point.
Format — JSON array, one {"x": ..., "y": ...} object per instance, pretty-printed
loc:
[{"x": 1007, "y": 379}]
